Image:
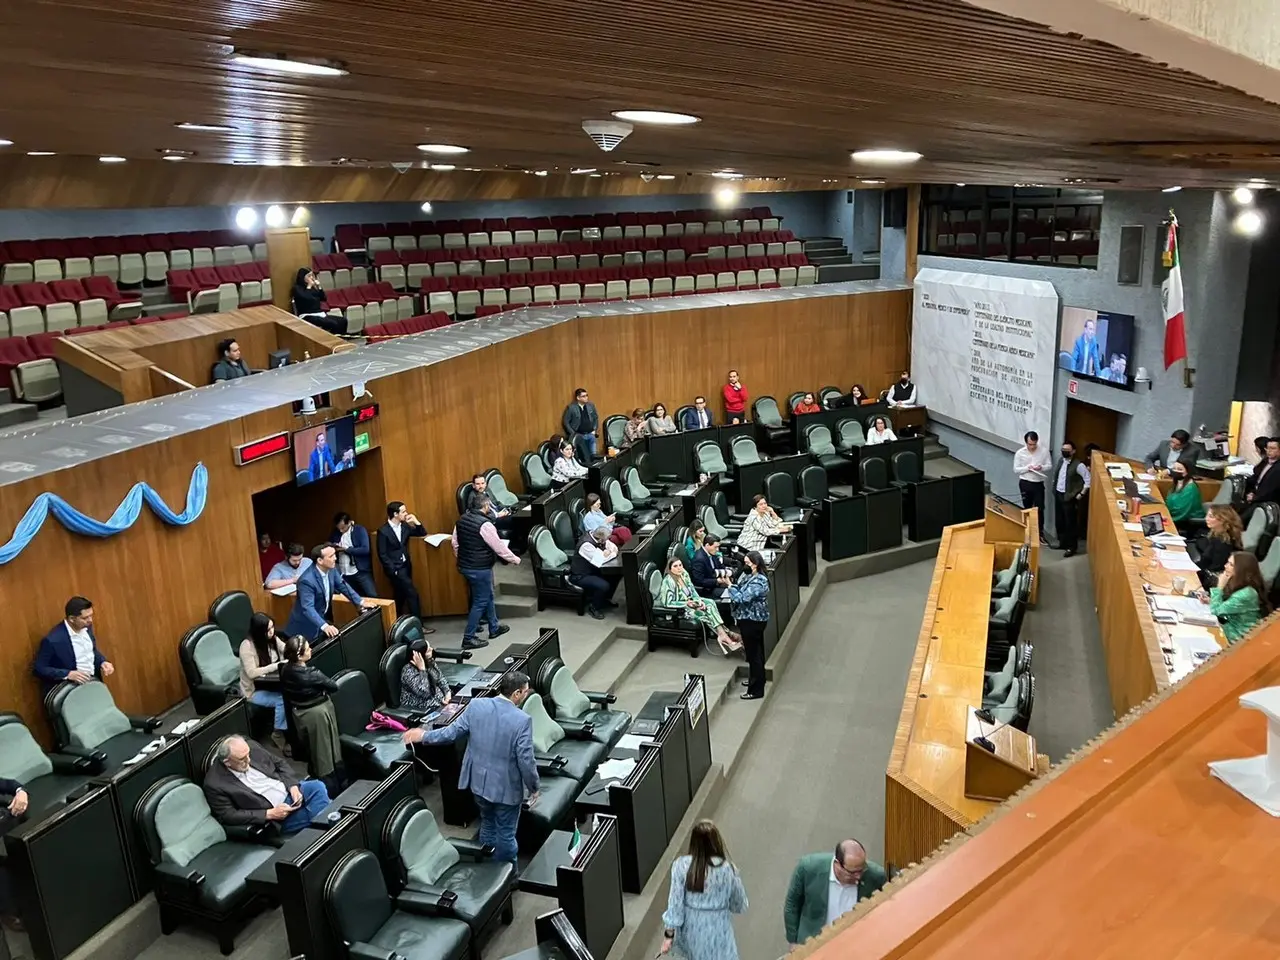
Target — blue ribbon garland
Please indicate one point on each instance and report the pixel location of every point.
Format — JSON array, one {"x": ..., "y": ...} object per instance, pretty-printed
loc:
[{"x": 124, "y": 517}]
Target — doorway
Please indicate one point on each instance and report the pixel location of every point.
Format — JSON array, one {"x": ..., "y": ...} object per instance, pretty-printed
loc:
[{"x": 1087, "y": 423}]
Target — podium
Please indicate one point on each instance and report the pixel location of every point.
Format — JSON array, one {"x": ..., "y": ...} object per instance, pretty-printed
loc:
[
  {"x": 997, "y": 775},
  {"x": 1009, "y": 528}
]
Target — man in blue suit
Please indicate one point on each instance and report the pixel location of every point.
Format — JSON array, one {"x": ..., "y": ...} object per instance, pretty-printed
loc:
[
  {"x": 498, "y": 766},
  {"x": 355, "y": 554},
  {"x": 1086, "y": 357},
  {"x": 699, "y": 417},
  {"x": 707, "y": 570},
  {"x": 322, "y": 461},
  {"x": 70, "y": 651},
  {"x": 312, "y": 604}
]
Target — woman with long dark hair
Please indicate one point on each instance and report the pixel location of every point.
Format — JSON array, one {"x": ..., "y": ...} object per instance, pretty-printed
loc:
[
  {"x": 309, "y": 303},
  {"x": 1223, "y": 536},
  {"x": 705, "y": 891},
  {"x": 749, "y": 600},
  {"x": 306, "y": 692},
  {"x": 1183, "y": 500},
  {"x": 422, "y": 686},
  {"x": 1240, "y": 599},
  {"x": 261, "y": 654}
]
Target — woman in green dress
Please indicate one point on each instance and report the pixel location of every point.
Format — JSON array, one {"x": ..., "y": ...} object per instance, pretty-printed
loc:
[
  {"x": 1240, "y": 599},
  {"x": 677, "y": 591},
  {"x": 1183, "y": 500},
  {"x": 693, "y": 542}
]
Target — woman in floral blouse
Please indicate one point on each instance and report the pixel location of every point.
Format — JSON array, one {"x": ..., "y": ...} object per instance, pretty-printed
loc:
[
  {"x": 749, "y": 599},
  {"x": 677, "y": 591}
]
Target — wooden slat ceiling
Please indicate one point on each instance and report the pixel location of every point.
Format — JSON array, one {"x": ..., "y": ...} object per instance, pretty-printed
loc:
[{"x": 785, "y": 90}]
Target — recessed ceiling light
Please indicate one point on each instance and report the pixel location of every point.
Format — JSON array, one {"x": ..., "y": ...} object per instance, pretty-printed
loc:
[
  {"x": 886, "y": 156},
  {"x": 726, "y": 196},
  {"x": 1249, "y": 223},
  {"x": 960, "y": 184},
  {"x": 6, "y": 143},
  {"x": 874, "y": 183},
  {"x": 656, "y": 116},
  {"x": 426, "y": 206},
  {"x": 246, "y": 218},
  {"x": 111, "y": 158},
  {"x": 167, "y": 154},
  {"x": 727, "y": 175},
  {"x": 282, "y": 63},
  {"x": 301, "y": 217},
  {"x": 40, "y": 153},
  {"x": 1174, "y": 189},
  {"x": 443, "y": 167},
  {"x": 1243, "y": 195},
  {"x": 583, "y": 170},
  {"x": 204, "y": 127},
  {"x": 596, "y": 175},
  {"x": 539, "y": 173},
  {"x": 275, "y": 216},
  {"x": 666, "y": 176},
  {"x": 443, "y": 149}
]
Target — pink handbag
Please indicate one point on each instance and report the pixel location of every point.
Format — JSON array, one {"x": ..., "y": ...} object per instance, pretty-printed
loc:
[{"x": 380, "y": 721}]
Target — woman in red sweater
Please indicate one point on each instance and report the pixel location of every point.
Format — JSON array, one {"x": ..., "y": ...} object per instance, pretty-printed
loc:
[
  {"x": 736, "y": 399},
  {"x": 807, "y": 405}
]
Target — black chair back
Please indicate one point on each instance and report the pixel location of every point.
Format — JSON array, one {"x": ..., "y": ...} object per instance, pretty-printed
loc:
[
  {"x": 232, "y": 611},
  {"x": 720, "y": 504},
  {"x": 391, "y": 666},
  {"x": 562, "y": 531},
  {"x": 577, "y": 510},
  {"x": 680, "y": 412},
  {"x": 906, "y": 467},
  {"x": 355, "y": 898},
  {"x": 460, "y": 496},
  {"x": 352, "y": 702},
  {"x": 813, "y": 483},
  {"x": 780, "y": 490},
  {"x": 872, "y": 474}
]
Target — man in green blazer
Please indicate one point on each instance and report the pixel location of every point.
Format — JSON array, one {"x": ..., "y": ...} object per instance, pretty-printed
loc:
[{"x": 824, "y": 888}]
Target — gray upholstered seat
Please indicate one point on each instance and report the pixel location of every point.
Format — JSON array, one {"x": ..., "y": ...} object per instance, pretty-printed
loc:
[
  {"x": 743, "y": 450},
  {"x": 607, "y": 725},
  {"x": 534, "y": 473},
  {"x": 849, "y": 434},
  {"x": 581, "y": 757},
  {"x": 709, "y": 458},
  {"x": 818, "y": 441}
]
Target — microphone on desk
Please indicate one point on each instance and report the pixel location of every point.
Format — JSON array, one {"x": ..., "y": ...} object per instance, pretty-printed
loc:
[{"x": 984, "y": 715}]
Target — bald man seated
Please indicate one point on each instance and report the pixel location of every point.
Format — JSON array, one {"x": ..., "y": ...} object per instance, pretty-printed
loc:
[
  {"x": 249, "y": 786},
  {"x": 824, "y": 888}
]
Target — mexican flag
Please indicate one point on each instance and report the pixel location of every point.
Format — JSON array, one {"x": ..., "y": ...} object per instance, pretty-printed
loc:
[{"x": 1175, "y": 317}]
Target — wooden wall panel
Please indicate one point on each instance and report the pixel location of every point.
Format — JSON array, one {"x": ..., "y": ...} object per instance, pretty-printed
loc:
[{"x": 438, "y": 425}]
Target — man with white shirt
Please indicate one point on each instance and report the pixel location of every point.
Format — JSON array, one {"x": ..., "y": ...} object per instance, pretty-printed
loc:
[
  {"x": 70, "y": 651},
  {"x": 249, "y": 786},
  {"x": 595, "y": 550},
  {"x": 699, "y": 417},
  {"x": 312, "y": 613},
  {"x": 397, "y": 563},
  {"x": 355, "y": 554},
  {"x": 824, "y": 888},
  {"x": 1070, "y": 486},
  {"x": 1032, "y": 464}
]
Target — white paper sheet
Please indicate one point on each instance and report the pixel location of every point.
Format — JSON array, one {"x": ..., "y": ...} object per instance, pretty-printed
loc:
[
  {"x": 616, "y": 769},
  {"x": 629, "y": 741},
  {"x": 1176, "y": 560},
  {"x": 1133, "y": 527},
  {"x": 435, "y": 539}
]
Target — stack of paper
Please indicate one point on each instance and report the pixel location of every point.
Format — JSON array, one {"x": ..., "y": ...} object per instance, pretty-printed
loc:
[
  {"x": 1168, "y": 540},
  {"x": 615, "y": 769},
  {"x": 1176, "y": 560},
  {"x": 1120, "y": 471}
]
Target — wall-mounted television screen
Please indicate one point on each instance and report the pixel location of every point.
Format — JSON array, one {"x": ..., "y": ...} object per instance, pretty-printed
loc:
[
  {"x": 322, "y": 451},
  {"x": 1098, "y": 345}
]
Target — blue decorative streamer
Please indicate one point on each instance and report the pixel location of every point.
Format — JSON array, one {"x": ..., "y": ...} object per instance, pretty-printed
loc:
[{"x": 124, "y": 517}]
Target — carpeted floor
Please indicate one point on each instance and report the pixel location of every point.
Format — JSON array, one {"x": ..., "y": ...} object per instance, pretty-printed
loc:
[{"x": 814, "y": 771}]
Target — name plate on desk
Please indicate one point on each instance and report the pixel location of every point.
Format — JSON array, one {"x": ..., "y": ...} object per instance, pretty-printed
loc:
[{"x": 999, "y": 759}]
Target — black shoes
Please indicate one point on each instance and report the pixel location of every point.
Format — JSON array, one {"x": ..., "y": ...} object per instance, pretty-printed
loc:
[
  {"x": 1069, "y": 553},
  {"x": 502, "y": 628},
  {"x": 595, "y": 614},
  {"x": 474, "y": 644}
]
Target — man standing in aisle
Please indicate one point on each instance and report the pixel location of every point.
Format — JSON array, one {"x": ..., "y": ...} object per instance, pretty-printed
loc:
[
  {"x": 580, "y": 423},
  {"x": 1070, "y": 484},
  {"x": 1032, "y": 464},
  {"x": 498, "y": 766},
  {"x": 824, "y": 888},
  {"x": 477, "y": 546},
  {"x": 393, "y": 554}
]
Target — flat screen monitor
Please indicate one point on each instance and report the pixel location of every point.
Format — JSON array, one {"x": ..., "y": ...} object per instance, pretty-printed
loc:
[
  {"x": 1098, "y": 345},
  {"x": 324, "y": 450}
]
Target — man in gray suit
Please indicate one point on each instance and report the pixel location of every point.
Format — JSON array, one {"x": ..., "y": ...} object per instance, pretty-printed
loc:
[
  {"x": 1179, "y": 446},
  {"x": 498, "y": 766}
]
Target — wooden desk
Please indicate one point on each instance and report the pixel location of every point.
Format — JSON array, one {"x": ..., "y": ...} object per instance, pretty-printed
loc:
[
  {"x": 1009, "y": 529},
  {"x": 924, "y": 784},
  {"x": 343, "y": 612},
  {"x": 1131, "y": 638}
]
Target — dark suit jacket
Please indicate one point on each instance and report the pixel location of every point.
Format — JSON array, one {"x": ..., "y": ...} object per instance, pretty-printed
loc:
[
  {"x": 361, "y": 552},
  {"x": 55, "y": 658},
  {"x": 235, "y": 805},
  {"x": 580, "y": 420},
  {"x": 1266, "y": 489},
  {"x": 690, "y": 419},
  {"x": 1189, "y": 454},
  {"x": 393, "y": 551},
  {"x": 309, "y": 610},
  {"x": 702, "y": 571}
]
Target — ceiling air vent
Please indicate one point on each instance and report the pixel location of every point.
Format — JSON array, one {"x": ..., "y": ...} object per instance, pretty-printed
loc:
[{"x": 607, "y": 134}]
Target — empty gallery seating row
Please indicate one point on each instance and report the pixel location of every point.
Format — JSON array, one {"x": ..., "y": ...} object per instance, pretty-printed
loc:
[
  {"x": 202, "y": 287},
  {"x": 27, "y": 308},
  {"x": 788, "y": 271},
  {"x": 389, "y": 329},
  {"x": 372, "y": 237}
]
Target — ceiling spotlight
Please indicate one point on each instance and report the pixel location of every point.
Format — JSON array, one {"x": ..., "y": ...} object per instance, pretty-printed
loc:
[
  {"x": 111, "y": 158},
  {"x": 872, "y": 183},
  {"x": 443, "y": 167},
  {"x": 539, "y": 173},
  {"x": 726, "y": 196},
  {"x": 1173, "y": 189},
  {"x": 301, "y": 217},
  {"x": 283, "y": 63},
  {"x": 596, "y": 175},
  {"x": 426, "y": 206},
  {"x": 886, "y": 156},
  {"x": 246, "y": 218},
  {"x": 443, "y": 149},
  {"x": 275, "y": 216},
  {"x": 960, "y": 184},
  {"x": 204, "y": 127},
  {"x": 727, "y": 175},
  {"x": 656, "y": 116},
  {"x": 666, "y": 176},
  {"x": 1243, "y": 196},
  {"x": 1248, "y": 223},
  {"x": 40, "y": 153},
  {"x": 176, "y": 154},
  {"x": 6, "y": 143},
  {"x": 583, "y": 170}
]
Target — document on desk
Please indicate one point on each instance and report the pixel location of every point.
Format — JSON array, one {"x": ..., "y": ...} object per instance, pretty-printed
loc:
[
  {"x": 1133, "y": 527},
  {"x": 1188, "y": 610},
  {"x": 1120, "y": 471},
  {"x": 615, "y": 769},
  {"x": 1176, "y": 560},
  {"x": 686, "y": 492},
  {"x": 286, "y": 591},
  {"x": 1168, "y": 540},
  {"x": 629, "y": 741}
]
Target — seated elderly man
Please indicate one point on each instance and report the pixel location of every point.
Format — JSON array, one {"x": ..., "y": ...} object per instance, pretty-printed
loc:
[{"x": 249, "y": 786}]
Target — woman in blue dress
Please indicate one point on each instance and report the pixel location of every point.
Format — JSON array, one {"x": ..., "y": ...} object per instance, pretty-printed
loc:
[{"x": 705, "y": 890}]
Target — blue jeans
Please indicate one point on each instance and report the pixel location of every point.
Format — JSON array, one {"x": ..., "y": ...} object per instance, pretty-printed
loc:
[
  {"x": 314, "y": 799},
  {"x": 584, "y": 444},
  {"x": 483, "y": 607},
  {"x": 498, "y": 827},
  {"x": 273, "y": 699}
]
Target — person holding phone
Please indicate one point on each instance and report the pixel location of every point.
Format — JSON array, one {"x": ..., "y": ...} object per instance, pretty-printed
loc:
[{"x": 250, "y": 786}]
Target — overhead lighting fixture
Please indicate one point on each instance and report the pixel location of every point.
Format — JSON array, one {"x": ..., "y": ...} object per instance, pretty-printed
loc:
[
  {"x": 41, "y": 153},
  {"x": 426, "y": 206},
  {"x": 666, "y": 176},
  {"x": 726, "y": 196},
  {"x": 1257, "y": 181},
  {"x": 596, "y": 175},
  {"x": 244, "y": 163},
  {"x": 1249, "y": 223},
  {"x": 283, "y": 63},
  {"x": 275, "y": 216},
  {"x": 6, "y": 143},
  {"x": 176, "y": 154},
  {"x": 301, "y": 217},
  {"x": 246, "y": 218},
  {"x": 1243, "y": 196},
  {"x": 727, "y": 175},
  {"x": 660, "y": 117},
  {"x": 111, "y": 158},
  {"x": 443, "y": 149},
  {"x": 539, "y": 173},
  {"x": 204, "y": 127},
  {"x": 583, "y": 170},
  {"x": 961, "y": 184},
  {"x": 886, "y": 156},
  {"x": 1173, "y": 189},
  {"x": 443, "y": 167},
  {"x": 873, "y": 183}
]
